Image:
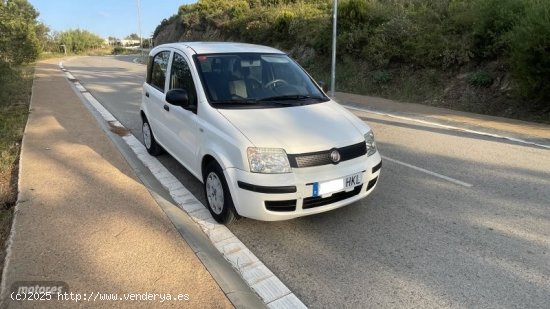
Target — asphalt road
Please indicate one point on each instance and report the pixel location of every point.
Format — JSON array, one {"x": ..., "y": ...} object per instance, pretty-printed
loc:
[{"x": 457, "y": 219}]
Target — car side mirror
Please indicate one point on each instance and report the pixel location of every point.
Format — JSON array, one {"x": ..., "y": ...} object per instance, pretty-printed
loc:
[
  {"x": 179, "y": 97},
  {"x": 324, "y": 86}
]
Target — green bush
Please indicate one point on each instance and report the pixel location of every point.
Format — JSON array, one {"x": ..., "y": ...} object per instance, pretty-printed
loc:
[
  {"x": 19, "y": 42},
  {"x": 495, "y": 18},
  {"x": 530, "y": 50},
  {"x": 381, "y": 77},
  {"x": 387, "y": 43},
  {"x": 118, "y": 50},
  {"x": 353, "y": 14},
  {"x": 441, "y": 35},
  {"x": 78, "y": 41},
  {"x": 480, "y": 79}
]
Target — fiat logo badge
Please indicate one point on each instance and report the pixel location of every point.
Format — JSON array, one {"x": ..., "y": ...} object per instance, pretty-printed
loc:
[{"x": 335, "y": 156}]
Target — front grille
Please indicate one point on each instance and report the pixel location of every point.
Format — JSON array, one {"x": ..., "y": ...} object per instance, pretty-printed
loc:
[
  {"x": 288, "y": 205},
  {"x": 312, "y": 202},
  {"x": 312, "y": 160},
  {"x": 323, "y": 157}
]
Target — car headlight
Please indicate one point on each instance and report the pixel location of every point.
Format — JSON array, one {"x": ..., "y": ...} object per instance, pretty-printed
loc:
[
  {"x": 371, "y": 144},
  {"x": 268, "y": 160}
]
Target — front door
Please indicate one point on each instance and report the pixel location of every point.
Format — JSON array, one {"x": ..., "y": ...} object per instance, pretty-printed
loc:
[{"x": 182, "y": 123}]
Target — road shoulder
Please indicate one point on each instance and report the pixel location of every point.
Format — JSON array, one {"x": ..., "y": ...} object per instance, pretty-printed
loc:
[{"x": 536, "y": 133}]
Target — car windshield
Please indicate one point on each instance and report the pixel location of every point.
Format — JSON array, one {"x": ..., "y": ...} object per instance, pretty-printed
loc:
[{"x": 253, "y": 80}]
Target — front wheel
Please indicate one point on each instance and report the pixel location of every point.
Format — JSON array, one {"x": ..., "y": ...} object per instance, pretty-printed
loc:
[{"x": 217, "y": 194}]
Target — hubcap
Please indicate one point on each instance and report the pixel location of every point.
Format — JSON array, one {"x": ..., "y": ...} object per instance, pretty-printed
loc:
[
  {"x": 147, "y": 135},
  {"x": 214, "y": 193}
]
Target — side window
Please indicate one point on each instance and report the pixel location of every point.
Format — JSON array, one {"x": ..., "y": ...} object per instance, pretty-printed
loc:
[
  {"x": 156, "y": 72},
  {"x": 180, "y": 77}
]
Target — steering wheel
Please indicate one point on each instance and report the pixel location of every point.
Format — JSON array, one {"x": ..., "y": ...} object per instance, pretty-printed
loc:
[
  {"x": 254, "y": 83},
  {"x": 275, "y": 81}
]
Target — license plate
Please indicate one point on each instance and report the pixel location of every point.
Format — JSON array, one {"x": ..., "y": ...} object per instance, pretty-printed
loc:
[{"x": 340, "y": 184}]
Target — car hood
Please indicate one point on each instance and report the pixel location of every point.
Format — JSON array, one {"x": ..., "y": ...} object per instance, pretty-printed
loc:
[{"x": 298, "y": 129}]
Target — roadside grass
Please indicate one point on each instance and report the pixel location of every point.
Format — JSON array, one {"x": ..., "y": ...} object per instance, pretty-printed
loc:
[
  {"x": 91, "y": 52},
  {"x": 15, "y": 94}
]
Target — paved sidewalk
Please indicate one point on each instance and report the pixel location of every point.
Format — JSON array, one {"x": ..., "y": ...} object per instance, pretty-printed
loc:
[
  {"x": 515, "y": 128},
  {"x": 84, "y": 218}
]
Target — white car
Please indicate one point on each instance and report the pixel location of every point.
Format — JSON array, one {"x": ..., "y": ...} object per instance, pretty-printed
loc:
[{"x": 256, "y": 130}]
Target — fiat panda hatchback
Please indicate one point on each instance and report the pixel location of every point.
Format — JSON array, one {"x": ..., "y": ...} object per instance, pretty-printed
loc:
[{"x": 256, "y": 130}]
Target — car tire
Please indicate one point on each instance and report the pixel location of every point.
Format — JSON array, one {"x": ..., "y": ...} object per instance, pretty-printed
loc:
[
  {"x": 153, "y": 148},
  {"x": 218, "y": 197}
]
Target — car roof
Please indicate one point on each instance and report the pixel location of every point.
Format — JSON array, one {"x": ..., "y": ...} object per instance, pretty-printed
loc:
[{"x": 221, "y": 47}]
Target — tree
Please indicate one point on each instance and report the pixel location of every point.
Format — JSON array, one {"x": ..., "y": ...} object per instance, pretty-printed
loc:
[
  {"x": 132, "y": 36},
  {"x": 113, "y": 41},
  {"x": 18, "y": 32},
  {"x": 530, "y": 51},
  {"x": 77, "y": 40},
  {"x": 44, "y": 38}
]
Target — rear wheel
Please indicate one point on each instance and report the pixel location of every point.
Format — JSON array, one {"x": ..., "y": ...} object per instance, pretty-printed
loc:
[
  {"x": 153, "y": 148},
  {"x": 217, "y": 194}
]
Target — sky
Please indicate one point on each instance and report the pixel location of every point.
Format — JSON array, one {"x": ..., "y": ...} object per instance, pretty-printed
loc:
[{"x": 117, "y": 18}]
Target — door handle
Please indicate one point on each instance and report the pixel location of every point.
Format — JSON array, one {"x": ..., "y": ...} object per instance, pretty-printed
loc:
[
  {"x": 147, "y": 94},
  {"x": 166, "y": 108}
]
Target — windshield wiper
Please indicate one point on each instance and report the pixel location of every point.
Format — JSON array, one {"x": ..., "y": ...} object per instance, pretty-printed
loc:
[
  {"x": 297, "y": 97},
  {"x": 245, "y": 102},
  {"x": 236, "y": 101},
  {"x": 284, "y": 100}
]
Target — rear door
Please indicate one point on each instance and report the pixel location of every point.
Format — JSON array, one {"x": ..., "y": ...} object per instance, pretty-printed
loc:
[{"x": 154, "y": 95}]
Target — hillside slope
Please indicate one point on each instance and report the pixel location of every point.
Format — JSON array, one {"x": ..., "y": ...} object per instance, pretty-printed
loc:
[{"x": 483, "y": 56}]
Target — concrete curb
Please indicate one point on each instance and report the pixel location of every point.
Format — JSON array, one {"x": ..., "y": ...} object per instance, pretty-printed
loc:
[{"x": 257, "y": 276}]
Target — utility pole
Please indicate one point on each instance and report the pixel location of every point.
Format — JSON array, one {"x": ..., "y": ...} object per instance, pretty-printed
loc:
[
  {"x": 333, "y": 68},
  {"x": 139, "y": 28}
]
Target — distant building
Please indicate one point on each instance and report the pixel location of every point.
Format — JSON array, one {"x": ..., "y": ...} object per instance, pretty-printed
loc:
[
  {"x": 119, "y": 42},
  {"x": 130, "y": 42}
]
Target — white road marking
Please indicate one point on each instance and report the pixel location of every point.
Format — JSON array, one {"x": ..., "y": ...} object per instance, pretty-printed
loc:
[
  {"x": 513, "y": 139},
  {"x": 262, "y": 280},
  {"x": 455, "y": 181}
]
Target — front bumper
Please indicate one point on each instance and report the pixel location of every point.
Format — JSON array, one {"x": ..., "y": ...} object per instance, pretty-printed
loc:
[{"x": 274, "y": 197}]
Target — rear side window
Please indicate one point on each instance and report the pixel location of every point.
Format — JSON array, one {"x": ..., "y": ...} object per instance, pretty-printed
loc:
[
  {"x": 156, "y": 72},
  {"x": 180, "y": 77}
]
